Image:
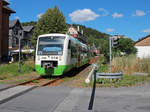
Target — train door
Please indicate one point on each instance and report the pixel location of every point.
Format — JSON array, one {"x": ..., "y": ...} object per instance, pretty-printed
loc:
[{"x": 69, "y": 53}]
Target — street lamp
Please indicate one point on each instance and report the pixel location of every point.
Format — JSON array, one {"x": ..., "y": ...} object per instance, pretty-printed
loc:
[{"x": 20, "y": 35}]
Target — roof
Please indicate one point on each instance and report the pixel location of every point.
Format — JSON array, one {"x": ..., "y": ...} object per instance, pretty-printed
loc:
[
  {"x": 145, "y": 41},
  {"x": 52, "y": 34},
  {"x": 76, "y": 34},
  {"x": 8, "y": 9},
  {"x": 5, "y": 2},
  {"x": 27, "y": 28},
  {"x": 12, "y": 23}
]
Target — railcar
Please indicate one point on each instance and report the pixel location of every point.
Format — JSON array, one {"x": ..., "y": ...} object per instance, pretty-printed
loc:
[{"x": 59, "y": 53}]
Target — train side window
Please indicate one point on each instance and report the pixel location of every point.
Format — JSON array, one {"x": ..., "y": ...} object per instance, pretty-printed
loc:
[{"x": 69, "y": 45}]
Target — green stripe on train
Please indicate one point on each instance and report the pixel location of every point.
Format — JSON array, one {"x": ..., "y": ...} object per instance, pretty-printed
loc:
[{"x": 57, "y": 71}]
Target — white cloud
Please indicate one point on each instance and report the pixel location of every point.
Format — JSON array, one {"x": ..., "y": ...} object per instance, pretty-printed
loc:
[
  {"x": 146, "y": 30},
  {"x": 110, "y": 30},
  {"x": 16, "y": 17},
  {"x": 39, "y": 15},
  {"x": 104, "y": 12},
  {"x": 83, "y": 15},
  {"x": 117, "y": 15},
  {"x": 139, "y": 13}
]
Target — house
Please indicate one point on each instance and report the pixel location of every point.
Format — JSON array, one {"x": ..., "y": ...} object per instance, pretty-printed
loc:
[
  {"x": 93, "y": 49},
  {"x": 77, "y": 34},
  {"x": 5, "y": 12},
  {"x": 15, "y": 30},
  {"x": 28, "y": 32},
  {"x": 143, "y": 47}
]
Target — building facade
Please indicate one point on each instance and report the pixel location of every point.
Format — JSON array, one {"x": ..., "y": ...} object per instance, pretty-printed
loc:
[
  {"x": 77, "y": 34},
  {"x": 5, "y": 12},
  {"x": 143, "y": 47},
  {"x": 14, "y": 34},
  {"x": 17, "y": 31},
  {"x": 27, "y": 34}
]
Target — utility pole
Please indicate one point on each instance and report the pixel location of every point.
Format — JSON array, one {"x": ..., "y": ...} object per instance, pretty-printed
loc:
[{"x": 110, "y": 53}]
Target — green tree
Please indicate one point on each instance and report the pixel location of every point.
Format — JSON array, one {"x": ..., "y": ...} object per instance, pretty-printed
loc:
[
  {"x": 31, "y": 23},
  {"x": 52, "y": 21},
  {"x": 126, "y": 45}
]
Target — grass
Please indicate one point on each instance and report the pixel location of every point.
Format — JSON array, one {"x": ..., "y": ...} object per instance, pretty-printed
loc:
[
  {"x": 35, "y": 81},
  {"x": 127, "y": 81},
  {"x": 103, "y": 67},
  {"x": 11, "y": 70},
  {"x": 131, "y": 64},
  {"x": 128, "y": 65}
]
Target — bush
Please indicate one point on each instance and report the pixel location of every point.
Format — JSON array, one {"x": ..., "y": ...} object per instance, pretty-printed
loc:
[{"x": 103, "y": 67}]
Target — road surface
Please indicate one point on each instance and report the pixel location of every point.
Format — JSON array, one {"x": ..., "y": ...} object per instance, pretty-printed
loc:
[{"x": 65, "y": 99}]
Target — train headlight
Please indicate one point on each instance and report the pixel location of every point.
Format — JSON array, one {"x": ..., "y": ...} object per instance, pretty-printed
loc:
[
  {"x": 60, "y": 58},
  {"x": 38, "y": 58}
]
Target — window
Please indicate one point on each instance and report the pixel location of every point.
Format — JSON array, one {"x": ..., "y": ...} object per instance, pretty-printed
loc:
[
  {"x": 69, "y": 45},
  {"x": 52, "y": 45}
]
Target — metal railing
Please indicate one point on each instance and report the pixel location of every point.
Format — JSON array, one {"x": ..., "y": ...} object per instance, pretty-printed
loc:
[
  {"x": 103, "y": 76},
  {"x": 110, "y": 76}
]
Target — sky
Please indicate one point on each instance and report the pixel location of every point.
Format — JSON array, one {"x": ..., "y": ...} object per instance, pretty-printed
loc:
[{"x": 115, "y": 17}]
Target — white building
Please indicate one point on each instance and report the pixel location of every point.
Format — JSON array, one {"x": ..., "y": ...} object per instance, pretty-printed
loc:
[{"x": 143, "y": 47}]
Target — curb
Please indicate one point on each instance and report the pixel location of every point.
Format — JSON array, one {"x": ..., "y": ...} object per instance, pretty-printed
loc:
[{"x": 16, "y": 95}]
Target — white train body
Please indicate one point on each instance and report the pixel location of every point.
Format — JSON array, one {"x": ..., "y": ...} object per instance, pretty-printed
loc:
[{"x": 58, "y": 53}]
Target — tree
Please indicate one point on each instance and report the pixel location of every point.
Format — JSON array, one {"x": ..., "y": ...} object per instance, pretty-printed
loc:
[
  {"x": 126, "y": 45},
  {"x": 31, "y": 23},
  {"x": 52, "y": 21}
]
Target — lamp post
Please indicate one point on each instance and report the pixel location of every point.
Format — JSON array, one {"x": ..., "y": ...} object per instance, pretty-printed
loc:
[
  {"x": 110, "y": 53},
  {"x": 20, "y": 35}
]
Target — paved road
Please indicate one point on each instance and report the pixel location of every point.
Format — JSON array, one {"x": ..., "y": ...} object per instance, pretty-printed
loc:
[{"x": 65, "y": 99}]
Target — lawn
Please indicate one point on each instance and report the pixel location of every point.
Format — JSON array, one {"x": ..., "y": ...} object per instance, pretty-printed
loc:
[{"x": 11, "y": 70}]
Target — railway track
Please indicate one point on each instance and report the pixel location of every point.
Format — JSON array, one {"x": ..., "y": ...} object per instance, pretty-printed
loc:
[
  {"x": 37, "y": 82},
  {"x": 40, "y": 82},
  {"x": 16, "y": 90}
]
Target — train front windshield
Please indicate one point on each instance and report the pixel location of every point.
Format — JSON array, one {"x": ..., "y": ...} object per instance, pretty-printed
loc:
[{"x": 51, "y": 45}]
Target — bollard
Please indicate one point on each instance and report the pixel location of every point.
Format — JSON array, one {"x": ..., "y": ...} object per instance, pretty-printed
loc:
[{"x": 95, "y": 67}]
